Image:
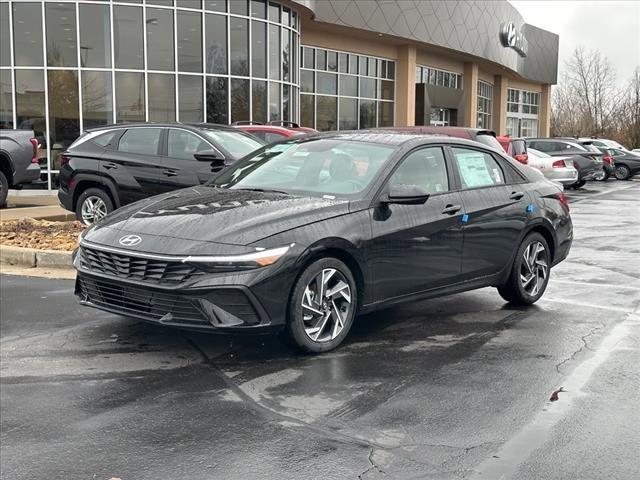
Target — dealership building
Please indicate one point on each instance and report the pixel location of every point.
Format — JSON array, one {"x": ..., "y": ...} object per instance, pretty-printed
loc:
[{"x": 70, "y": 65}]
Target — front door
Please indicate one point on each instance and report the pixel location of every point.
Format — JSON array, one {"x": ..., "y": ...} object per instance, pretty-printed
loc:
[
  {"x": 417, "y": 247},
  {"x": 495, "y": 203},
  {"x": 181, "y": 169}
]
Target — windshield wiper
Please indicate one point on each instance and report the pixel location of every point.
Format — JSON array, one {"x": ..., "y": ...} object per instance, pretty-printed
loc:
[{"x": 263, "y": 190}]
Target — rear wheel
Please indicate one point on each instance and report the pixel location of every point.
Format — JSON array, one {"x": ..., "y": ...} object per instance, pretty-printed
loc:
[
  {"x": 579, "y": 184},
  {"x": 322, "y": 306},
  {"x": 93, "y": 205},
  {"x": 622, "y": 172},
  {"x": 4, "y": 189},
  {"x": 529, "y": 273}
]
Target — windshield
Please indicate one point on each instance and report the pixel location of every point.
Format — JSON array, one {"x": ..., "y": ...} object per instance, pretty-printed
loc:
[
  {"x": 489, "y": 140},
  {"x": 322, "y": 166},
  {"x": 611, "y": 143},
  {"x": 237, "y": 144},
  {"x": 537, "y": 153}
]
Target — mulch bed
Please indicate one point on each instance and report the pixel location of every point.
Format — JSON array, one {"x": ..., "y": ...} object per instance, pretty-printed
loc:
[{"x": 40, "y": 234}]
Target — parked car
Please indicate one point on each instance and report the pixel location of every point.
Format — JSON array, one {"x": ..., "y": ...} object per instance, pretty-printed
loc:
[
  {"x": 303, "y": 236},
  {"x": 556, "y": 169},
  {"x": 603, "y": 142},
  {"x": 608, "y": 163},
  {"x": 112, "y": 166},
  {"x": 627, "y": 164},
  {"x": 482, "y": 135},
  {"x": 588, "y": 164},
  {"x": 18, "y": 160},
  {"x": 635, "y": 150},
  {"x": 515, "y": 147},
  {"x": 273, "y": 131}
]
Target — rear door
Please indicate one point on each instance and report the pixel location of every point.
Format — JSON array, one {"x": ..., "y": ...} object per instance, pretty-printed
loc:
[
  {"x": 134, "y": 164},
  {"x": 180, "y": 167},
  {"x": 495, "y": 204}
]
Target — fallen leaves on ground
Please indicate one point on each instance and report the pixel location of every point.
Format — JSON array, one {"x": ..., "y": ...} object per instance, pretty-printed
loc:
[{"x": 40, "y": 234}]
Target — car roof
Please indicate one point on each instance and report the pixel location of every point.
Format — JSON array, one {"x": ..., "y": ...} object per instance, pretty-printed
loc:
[{"x": 211, "y": 126}]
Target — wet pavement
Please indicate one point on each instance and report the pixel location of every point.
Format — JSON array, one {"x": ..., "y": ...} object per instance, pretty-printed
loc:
[{"x": 450, "y": 388}]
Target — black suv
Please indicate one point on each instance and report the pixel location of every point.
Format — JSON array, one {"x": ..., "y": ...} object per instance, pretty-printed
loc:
[{"x": 112, "y": 166}]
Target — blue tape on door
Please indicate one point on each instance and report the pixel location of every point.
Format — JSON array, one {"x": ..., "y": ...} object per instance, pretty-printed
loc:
[{"x": 465, "y": 218}]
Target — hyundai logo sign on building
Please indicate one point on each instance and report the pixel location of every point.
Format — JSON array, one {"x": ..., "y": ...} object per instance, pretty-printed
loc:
[{"x": 511, "y": 37}]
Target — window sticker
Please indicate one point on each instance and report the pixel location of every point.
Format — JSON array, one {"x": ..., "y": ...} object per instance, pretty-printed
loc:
[{"x": 473, "y": 169}]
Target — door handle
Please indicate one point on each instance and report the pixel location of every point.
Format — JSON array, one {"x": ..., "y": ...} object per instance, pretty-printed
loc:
[
  {"x": 451, "y": 209},
  {"x": 109, "y": 166},
  {"x": 516, "y": 195},
  {"x": 170, "y": 173}
]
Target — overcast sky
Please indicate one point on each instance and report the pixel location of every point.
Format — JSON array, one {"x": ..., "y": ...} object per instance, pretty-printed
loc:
[{"x": 611, "y": 26}]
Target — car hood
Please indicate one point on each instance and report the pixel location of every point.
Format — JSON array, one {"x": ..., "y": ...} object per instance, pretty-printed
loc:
[{"x": 205, "y": 215}]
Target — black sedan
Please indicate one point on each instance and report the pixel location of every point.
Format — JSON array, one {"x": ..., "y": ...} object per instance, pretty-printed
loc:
[
  {"x": 627, "y": 163},
  {"x": 304, "y": 234}
]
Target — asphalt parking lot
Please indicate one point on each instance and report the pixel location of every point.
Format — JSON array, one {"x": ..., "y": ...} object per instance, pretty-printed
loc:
[{"x": 456, "y": 387}]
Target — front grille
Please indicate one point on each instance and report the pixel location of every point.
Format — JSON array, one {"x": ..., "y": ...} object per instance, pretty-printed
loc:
[
  {"x": 137, "y": 268},
  {"x": 136, "y": 301}
]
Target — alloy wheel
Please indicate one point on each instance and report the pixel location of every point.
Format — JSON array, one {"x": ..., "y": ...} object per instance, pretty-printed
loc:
[
  {"x": 622, "y": 172},
  {"x": 534, "y": 268},
  {"x": 93, "y": 209},
  {"x": 326, "y": 305}
]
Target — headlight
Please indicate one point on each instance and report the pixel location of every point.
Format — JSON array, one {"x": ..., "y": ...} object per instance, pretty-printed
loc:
[{"x": 246, "y": 261}]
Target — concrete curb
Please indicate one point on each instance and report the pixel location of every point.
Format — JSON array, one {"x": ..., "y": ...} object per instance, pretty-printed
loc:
[{"x": 31, "y": 257}]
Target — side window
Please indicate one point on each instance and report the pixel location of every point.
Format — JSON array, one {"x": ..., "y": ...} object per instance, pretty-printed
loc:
[
  {"x": 542, "y": 146},
  {"x": 426, "y": 168},
  {"x": 260, "y": 135},
  {"x": 273, "y": 137},
  {"x": 477, "y": 169},
  {"x": 182, "y": 144},
  {"x": 105, "y": 139},
  {"x": 143, "y": 141}
]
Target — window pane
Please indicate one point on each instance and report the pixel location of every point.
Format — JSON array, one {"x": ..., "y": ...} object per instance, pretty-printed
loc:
[
  {"x": 425, "y": 168},
  {"x": 373, "y": 67},
  {"x": 353, "y": 64},
  {"x": 367, "y": 87},
  {"x": 259, "y": 49},
  {"x": 216, "y": 5},
  {"x": 61, "y": 35},
  {"x": 190, "y": 98},
  {"x": 240, "y": 7},
  {"x": 274, "y": 52},
  {"x": 274, "y": 101},
  {"x": 327, "y": 83},
  {"x": 95, "y": 36},
  {"x": 274, "y": 12},
  {"x": 348, "y": 114},
  {"x": 130, "y": 97},
  {"x": 30, "y": 101},
  {"x": 182, "y": 144},
  {"x": 159, "y": 39},
  {"x": 217, "y": 102},
  {"x": 127, "y": 41},
  {"x": 477, "y": 169},
  {"x": 239, "y": 46},
  {"x": 391, "y": 70},
  {"x": 306, "y": 81},
  {"x": 286, "y": 50},
  {"x": 385, "y": 114},
  {"x": 307, "y": 57},
  {"x": 362, "y": 61},
  {"x": 332, "y": 61},
  {"x": 286, "y": 102},
  {"x": 342, "y": 63},
  {"x": 6, "y": 103},
  {"x": 259, "y": 101},
  {"x": 321, "y": 59},
  {"x": 367, "y": 113},
  {"x": 27, "y": 34},
  {"x": 64, "y": 119},
  {"x": 239, "y": 100},
  {"x": 349, "y": 85},
  {"x": 5, "y": 41},
  {"x": 164, "y": 3},
  {"x": 258, "y": 9},
  {"x": 327, "y": 113},
  {"x": 386, "y": 90},
  {"x": 307, "y": 111},
  {"x": 142, "y": 141},
  {"x": 97, "y": 98},
  {"x": 189, "y": 42},
  {"x": 285, "y": 16},
  {"x": 216, "y": 43},
  {"x": 189, "y": 3},
  {"x": 162, "y": 99}
]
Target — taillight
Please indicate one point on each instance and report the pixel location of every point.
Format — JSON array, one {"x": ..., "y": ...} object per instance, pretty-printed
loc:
[
  {"x": 564, "y": 200},
  {"x": 559, "y": 164},
  {"x": 63, "y": 159},
  {"x": 35, "y": 145},
  {"x": 608, "y": 159},
  {"x": 522, "y": 158}
]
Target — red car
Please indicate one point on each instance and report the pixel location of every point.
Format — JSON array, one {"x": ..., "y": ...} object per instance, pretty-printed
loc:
[
  {"x": 515, "y": 148},
  {"x": 273, "y": 131}
]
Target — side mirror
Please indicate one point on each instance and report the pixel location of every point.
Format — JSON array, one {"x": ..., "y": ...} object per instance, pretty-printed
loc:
[
  {"x": 208, "y": 156},
  {"x": 407, "y": 195}
]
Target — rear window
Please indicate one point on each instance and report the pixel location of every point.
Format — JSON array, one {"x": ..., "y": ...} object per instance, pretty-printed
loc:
[
  {"x": 490, "y": 141},
  {"x": 100, "y": 137}
]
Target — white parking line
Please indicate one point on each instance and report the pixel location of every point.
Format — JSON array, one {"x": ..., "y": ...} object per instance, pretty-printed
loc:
[
  {"x": 590, "y": 284},
  {"x": 587, "y": 305}
]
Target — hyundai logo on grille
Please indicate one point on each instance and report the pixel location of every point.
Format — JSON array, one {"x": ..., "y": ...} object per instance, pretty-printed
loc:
[{"x": 130, "y": 240}]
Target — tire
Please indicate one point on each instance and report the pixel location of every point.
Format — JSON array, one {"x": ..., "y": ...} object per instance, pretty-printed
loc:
[
  {"x": 4, "y": 189},
  {"x": 603, "y": 177},
  {"x": 622, "y": 172},
  {"x": 520, "y": 290},
  {"x": 303, "y": 323},
  {"x": 102, "y": 205},
  {"x": 579, "y": 184}
]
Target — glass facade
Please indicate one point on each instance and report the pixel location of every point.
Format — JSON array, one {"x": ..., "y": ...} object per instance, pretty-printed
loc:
[
  {"x": 440, "y": 78},
  {"x": 345, "y": 91},
  {"x": 523, "y": 108},
  {"x": 70, "y": 65},
  {"x": 485, "y": 104}
]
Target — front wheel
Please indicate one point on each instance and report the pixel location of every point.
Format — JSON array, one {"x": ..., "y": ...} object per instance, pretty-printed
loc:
[
  {"x": 529, "y": 273},
  {"x": 4, "y": 189},
  {"x": 322, "y": 306},
  {"x": 622, "y": 172},
  {"x": 93, "y": 205}
]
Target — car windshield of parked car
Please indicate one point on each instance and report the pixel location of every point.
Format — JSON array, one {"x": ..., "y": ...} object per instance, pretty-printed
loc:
[
  {"x": 489, "y": 140},
  {"x": 237, "y": 144},
  {"x": 323, "y": 167}
]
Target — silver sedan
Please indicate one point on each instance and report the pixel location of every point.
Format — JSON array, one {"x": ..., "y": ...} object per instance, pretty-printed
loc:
[{"x": 556, "y": 169}]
